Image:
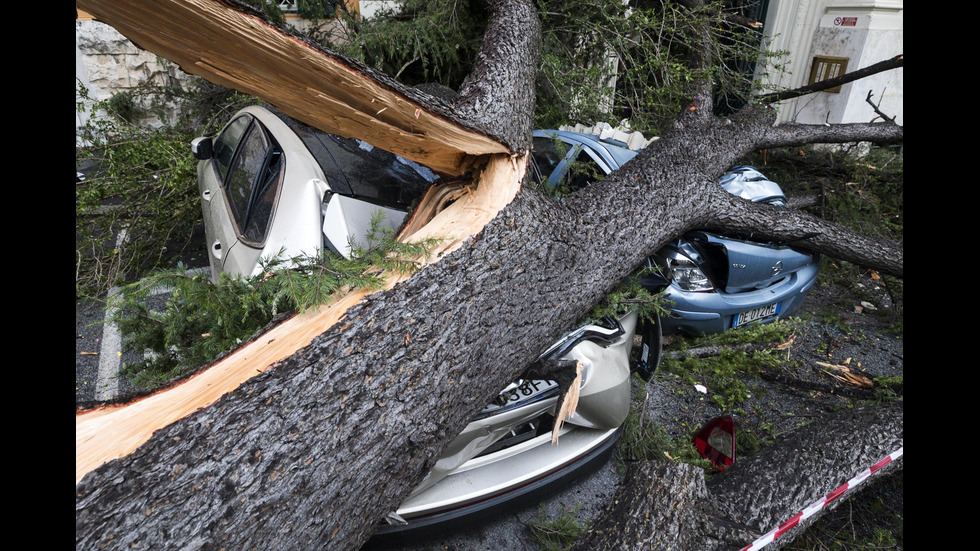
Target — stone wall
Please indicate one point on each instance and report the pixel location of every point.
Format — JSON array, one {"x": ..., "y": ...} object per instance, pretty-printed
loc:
[{"x": 107, "y": 63}]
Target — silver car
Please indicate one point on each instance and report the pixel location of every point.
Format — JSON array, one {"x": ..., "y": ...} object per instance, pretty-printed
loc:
[{"x": 274, "y": 187}]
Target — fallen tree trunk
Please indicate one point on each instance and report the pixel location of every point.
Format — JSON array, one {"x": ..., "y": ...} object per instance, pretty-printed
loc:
[
  {"x": 316, "y": 450},
  {"x": 663, "y": 505}
]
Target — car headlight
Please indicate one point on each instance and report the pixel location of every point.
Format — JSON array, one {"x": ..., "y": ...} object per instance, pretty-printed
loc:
[{"x": 686, "y": 274}]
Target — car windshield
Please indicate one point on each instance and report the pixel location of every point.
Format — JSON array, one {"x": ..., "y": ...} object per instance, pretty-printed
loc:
[{"x": 560, "y": 179}]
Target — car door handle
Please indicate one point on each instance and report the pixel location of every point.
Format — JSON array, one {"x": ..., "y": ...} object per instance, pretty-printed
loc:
[
  {"x": 206, "y": 195},
  {"x": 216, "y": 250}
]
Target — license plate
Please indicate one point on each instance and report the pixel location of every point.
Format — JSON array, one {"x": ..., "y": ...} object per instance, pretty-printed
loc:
[
  {"x": 520, "y": 392},
  {"x": 756, "y": 314}
]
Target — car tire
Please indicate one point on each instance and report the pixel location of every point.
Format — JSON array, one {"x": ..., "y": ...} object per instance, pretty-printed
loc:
[{"x": 651, "y": 349}]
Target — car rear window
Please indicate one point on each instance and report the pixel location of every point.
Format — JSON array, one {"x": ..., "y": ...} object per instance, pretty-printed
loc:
[
  {"x": 378, "y": 175},
  {"x": 357, "y": 169}
]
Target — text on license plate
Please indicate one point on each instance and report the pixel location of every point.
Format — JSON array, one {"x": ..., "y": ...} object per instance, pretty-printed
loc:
[
  {"x": 521, "y": 391},
  {"x": 756, "y": 314}
]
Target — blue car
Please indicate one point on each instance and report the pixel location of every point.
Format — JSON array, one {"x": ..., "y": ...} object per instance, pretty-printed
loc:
[{"x": 714, "y": 282}]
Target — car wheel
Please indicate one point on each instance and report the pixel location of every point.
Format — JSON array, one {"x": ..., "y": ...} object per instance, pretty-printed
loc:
[{"x": 651, "y": 349}]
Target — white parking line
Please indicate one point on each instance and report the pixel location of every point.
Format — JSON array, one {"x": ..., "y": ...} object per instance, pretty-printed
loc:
[
  {"x": 107, "y": 383},
  {"x": 110, "y": 354}
]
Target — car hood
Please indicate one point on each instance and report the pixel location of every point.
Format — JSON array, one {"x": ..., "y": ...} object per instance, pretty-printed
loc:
[
  {"x": 748, "y": 183},
  {"x": 738, "y": 266}
]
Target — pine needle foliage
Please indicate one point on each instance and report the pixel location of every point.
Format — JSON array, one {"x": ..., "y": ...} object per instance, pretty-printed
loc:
[
  {"x": 631, "y": 296},
  {"x": 415, "y": 41},
  {"x": 200, "y": 319},
  {"x": 609, "y": 61}
]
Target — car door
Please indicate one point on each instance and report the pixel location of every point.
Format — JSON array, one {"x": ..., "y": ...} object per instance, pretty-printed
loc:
[
  {"x": 218, "y": 227},
  {"x": 239, "y": 191}
]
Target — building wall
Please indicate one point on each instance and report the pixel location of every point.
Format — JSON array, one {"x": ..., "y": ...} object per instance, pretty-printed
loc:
[
  {"x": 107, "y": 63},
  {"x": 863, "y": 31}
]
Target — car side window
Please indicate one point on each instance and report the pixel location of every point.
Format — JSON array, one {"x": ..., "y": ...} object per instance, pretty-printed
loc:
[
  {"x": 251, "y": 178},
  {"x": 227, "y": 143},
  {"x": 581, "y": 171},
  {"x": 547, "y": 153},
  {"x": 264, "y": 197}
]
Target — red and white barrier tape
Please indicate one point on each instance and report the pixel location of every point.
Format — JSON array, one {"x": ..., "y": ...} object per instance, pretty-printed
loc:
[{"x": 822, "y": 502}]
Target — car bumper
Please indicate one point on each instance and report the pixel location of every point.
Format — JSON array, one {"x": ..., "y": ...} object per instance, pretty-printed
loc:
[
  {"x": 485, "y": 485},
  {"x": 713, "y": 312}
]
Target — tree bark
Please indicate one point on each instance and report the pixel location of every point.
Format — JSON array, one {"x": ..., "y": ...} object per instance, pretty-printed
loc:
[
  {"x": 663, "y": 505},
  {"x": 313, "y": 452}
]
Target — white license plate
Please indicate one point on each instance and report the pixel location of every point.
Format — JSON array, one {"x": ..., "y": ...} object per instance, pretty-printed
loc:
[
  {"x": 756, "y": 314},
  {"x": 523, "y": 391}
]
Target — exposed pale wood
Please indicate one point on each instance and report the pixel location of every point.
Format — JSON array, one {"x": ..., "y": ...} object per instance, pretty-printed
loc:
[
  {"x": 113, "y": 432},
  {"x": 224, "y": 45},
  {"x": 498, "y": 183}
]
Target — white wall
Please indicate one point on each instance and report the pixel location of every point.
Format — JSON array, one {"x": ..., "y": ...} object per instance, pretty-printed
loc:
[{"x": 864, "y": 31}]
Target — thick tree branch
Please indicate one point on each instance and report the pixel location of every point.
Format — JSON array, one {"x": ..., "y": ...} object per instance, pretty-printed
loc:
[
  {"x": 663, "y": 506},
  {"x": 786, "y": 135},
  {"x": 881, "y": 66},
  {"x": 304, "y": 80},
  {"x": 760, "y": 222},
  {"x": 499, "y": 93}
]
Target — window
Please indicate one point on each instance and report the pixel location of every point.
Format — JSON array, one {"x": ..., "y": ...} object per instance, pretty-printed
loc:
[
  {"x": 227, "y": 143},
  {"x": 251, "y": 166},
  {"x": 563, "y": 173},
  {"x": 826, "y": 67},
  {"x": 374, "y": 174}
]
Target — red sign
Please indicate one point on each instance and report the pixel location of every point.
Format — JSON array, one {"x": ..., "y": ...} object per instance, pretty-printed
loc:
[{"x": 845, "y": 21}]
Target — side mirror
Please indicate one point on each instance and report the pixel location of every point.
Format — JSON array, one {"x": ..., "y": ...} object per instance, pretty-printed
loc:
[
  {"x": 715, "y": 441},
  {"x": 202, "y": 148}
]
